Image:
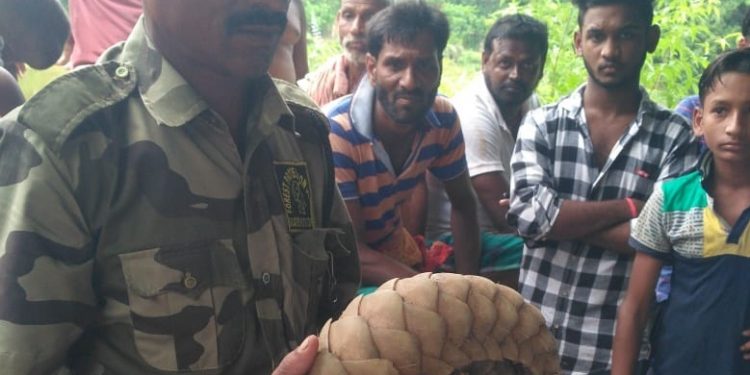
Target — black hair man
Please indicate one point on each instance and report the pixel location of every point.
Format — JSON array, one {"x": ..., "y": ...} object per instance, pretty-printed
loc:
[
  {"x": 582, "y": 169},
  {"x": 491, "y": 109},
  {"x": 393, "y": 129}
]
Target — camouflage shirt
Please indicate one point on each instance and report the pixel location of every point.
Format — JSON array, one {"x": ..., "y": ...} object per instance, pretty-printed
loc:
[{"x": 136, "y": 237}]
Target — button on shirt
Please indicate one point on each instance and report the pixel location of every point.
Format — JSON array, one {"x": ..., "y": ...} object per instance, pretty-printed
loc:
[
  {"x": 577, "y": 286},
  {"x": 136, "y": 238}
]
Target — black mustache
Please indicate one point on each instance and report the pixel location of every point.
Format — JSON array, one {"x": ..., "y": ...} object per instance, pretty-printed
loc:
[
  {"x": 514, "y": 85},
  {"x": 255, "y": 17},
  {"x": 613, "y": 64},
  {"x": 408, "y": 94}
]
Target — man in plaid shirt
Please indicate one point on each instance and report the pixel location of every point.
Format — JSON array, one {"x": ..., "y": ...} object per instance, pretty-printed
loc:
[{"x": 582, "y": 169}]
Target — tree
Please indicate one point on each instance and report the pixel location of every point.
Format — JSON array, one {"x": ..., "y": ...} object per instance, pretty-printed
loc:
[{"x": 693, "y": 32}]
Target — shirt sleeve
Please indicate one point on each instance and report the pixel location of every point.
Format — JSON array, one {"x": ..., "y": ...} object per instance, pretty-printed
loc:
[
  {"x": 46, "y": 255},
  {"x": 534, "y": 201},
  {"x": 683, "y": 153},
  {"x": 451, "y": 162},
  {"x": 483, "y": 146},
  {"x": 648, "y": 233},
  {"x": 344, "y": 160}
]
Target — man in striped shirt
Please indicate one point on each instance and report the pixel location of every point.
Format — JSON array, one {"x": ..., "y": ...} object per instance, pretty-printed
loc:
[
  {"x": 389, "y": 132},
  {"x": 581, "y": 171}
]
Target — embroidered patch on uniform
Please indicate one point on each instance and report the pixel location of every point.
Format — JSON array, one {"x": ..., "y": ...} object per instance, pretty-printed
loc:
[{"x": 296, "y": 194}]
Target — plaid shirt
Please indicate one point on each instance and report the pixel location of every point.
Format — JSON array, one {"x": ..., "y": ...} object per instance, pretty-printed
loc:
[{"x": 577, "y": 286}]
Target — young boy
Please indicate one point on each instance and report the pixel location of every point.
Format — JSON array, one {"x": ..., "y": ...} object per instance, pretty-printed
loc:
[{"x": 699, "y": 222}]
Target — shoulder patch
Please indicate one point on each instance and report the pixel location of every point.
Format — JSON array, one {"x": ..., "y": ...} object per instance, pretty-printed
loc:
[{"x": 56, "y": 111}]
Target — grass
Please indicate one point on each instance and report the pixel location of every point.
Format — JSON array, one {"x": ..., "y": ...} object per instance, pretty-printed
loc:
[{"x": 34, "y": 80}]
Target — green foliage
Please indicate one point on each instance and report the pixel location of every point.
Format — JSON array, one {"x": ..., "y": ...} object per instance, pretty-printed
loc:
[
  {"x": 693, "y": 32},
  {"x": 467, "y": 23},
  {"x": 688, "y": 41},
  {"x": 320, "y": 16},
  {"x": 321, "y": 49}
]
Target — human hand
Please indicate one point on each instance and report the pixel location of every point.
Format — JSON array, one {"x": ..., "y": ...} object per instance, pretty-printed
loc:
[
  {"x": 745, "y": 348},
  {"x": 300, "y": 361}
]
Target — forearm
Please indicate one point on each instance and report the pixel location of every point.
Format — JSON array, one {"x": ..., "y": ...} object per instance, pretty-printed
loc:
[
  {"x": 490, "y": 188},
  {"x": 414, "y": 209},
  {"x": 496, "y": 213},
  {"x": 630, "y": 323},
  {"x": 614, "y": 239},
  {"x": 634, "y": 313},
  {"x": 378, "y": 268},
  {"x": 578, "y": 219},
  {"x": 466, "y": 247}
]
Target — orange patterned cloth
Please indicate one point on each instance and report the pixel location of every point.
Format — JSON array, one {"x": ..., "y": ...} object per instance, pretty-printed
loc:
[
  {"x": 403, "y": 248},
  {"x": 434, "y": 256},
  {"x": 413, "y": 251},
  {"x": 331, "y": 81}
]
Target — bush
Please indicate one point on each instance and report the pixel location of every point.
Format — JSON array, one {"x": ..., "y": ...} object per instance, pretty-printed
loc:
[{"x": 693, "y": 32}]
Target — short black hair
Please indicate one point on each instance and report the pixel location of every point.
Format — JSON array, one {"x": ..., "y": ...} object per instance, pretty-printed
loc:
[
  {"x": 735, "y": 61},
  {"x": 520, "y": 27},
  {"x": 384, "y": 3},
  {"x": 645, "y": 8},
  {"x": 402, "y": 22},
  {"x": 746, "y": 24}
]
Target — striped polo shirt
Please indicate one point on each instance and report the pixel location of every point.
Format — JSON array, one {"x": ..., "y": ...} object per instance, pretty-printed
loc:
[
  {"x": 364, "y": 170},
  {"x": 709, "y": 305}
]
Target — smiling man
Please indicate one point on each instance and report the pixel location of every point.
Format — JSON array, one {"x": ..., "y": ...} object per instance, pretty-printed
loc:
[
  {"x": 171, "y": 210},
  {"x": 582, "y": 169},
  {"x": 341, "y": 74},
  {"x": 389, "y": 132}
]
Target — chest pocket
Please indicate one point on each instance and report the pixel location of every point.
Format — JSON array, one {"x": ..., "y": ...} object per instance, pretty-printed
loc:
[
  {"x": 313, "y": 272},
  {"x": 186, "y": 305}
]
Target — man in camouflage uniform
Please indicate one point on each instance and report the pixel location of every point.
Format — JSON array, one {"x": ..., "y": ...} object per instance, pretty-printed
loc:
[{"x": 171, "y": 209}]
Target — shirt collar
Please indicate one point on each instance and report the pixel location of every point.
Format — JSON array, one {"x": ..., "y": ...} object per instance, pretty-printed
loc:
[
  {"x": 361, "y": 111},
  {"x": 573, "y": 104},
  {"x": 480, "y": 85},
  {"x": 705, "y": 165},
  {"x": 170, "y": 99}
]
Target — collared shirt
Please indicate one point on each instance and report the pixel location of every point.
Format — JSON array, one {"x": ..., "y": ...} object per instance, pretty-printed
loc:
[
  {"x": 577, "y": 286},
  {"x": 489, "y": 147},
  {"x": 136, "y": 238},
  {"x": 710, "y": 293},
  {"x": 331, "y": 81},
  {"x": 364, "y": 170}
]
